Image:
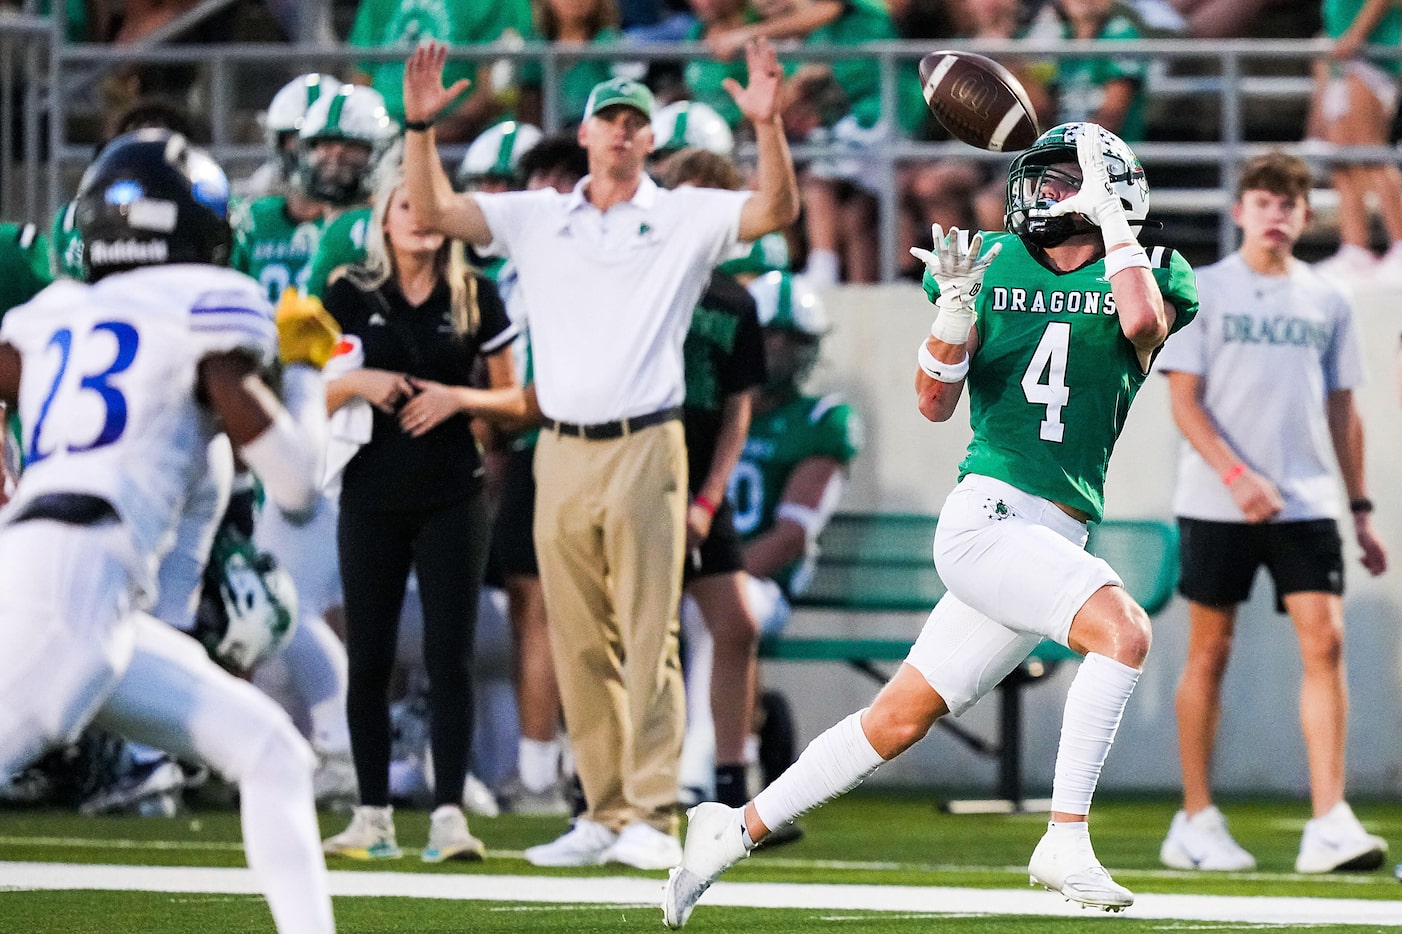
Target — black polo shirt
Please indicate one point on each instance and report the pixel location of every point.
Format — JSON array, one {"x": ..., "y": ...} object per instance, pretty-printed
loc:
[{"x": 394, "y": 470}]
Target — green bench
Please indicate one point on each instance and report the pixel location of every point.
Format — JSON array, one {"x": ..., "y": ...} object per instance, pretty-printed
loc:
[{"x": 882, "y": 563}]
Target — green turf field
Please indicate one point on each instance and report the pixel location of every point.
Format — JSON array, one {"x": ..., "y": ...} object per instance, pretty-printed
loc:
[{"x": 865, "y": 839}]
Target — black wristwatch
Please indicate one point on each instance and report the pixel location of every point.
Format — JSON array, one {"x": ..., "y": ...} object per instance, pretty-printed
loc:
[{"x": 1362, "y": 504}]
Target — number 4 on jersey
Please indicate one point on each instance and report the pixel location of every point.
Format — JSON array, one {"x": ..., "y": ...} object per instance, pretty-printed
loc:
[{"x": 1050, "y": 360}]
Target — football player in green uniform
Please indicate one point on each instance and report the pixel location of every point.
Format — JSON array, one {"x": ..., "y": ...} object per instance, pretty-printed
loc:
[
  {"x": 1052, "y": 349},
  {"x": 793, "y": 468},
  {"x": 275, "y": 235},
  {"x": 342, "y": 141}
]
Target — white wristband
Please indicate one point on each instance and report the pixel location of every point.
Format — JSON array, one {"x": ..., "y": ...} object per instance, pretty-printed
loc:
[
  {"x": 1125, "y": 257},
  {"x": 941, "y": 372}
]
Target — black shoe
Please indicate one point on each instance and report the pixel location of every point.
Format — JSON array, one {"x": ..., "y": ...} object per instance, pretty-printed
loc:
[{"x": 776, "y": 736}]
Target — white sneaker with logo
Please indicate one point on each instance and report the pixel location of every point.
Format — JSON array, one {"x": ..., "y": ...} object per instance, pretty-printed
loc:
[
  {"x": 1065, "y": 862},
  {"x": 369, "y": 836},
  {"x": 1337, "y": 842},
  {"x": 449, "y": 838},
  {"x": 584, "y": 845},
  {"x": 714, "y": 843},
  {"x": 643, "y": 846},
  {"x": 1203, "y": 842}
]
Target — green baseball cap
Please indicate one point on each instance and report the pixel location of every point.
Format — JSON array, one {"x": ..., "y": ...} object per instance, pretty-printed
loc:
[{"x": 623, "y": 91}]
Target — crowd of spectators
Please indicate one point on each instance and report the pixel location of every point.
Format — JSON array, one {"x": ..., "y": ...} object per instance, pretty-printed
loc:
[{"x": 833, "y": 108}]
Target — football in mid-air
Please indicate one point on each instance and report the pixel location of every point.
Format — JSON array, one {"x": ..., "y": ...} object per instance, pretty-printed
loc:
[{"x": 978, "y": 100}]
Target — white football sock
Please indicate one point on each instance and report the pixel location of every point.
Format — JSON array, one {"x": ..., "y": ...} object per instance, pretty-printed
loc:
[
  {"x": 837, "y": 761},
  {"x": 281, "y": 837},
  {"x": 538, "y": 763},
  {"x": 316, "y": 660},
  {"x": 1094, "y": 705}
]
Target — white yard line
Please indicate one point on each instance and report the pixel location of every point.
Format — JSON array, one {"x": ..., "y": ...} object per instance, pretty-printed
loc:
[{"x": 925, "y": 900}]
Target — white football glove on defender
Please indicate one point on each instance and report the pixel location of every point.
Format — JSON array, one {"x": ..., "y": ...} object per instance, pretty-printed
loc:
[
  {"x": 957, "y": 268},
  {"x": 1097, "y": 201}
]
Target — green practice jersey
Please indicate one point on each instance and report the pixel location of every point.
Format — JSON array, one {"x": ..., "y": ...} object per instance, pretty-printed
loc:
[
  {"x": 779, "y": 441},
  {"x": 1054, "y": 376},
  {"x": 342, "y": 243},
  {"x": 24, "y": 264},
  {"x": 273, "y": 248}
]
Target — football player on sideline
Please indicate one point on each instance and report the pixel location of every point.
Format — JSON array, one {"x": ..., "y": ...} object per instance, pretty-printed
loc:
[
  {"x": 1074, "y": 314},
  {"x": 121, "y": 385}
]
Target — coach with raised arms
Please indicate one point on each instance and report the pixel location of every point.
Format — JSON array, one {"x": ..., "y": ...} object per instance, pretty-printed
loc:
[{"x": 609, "y": 275}]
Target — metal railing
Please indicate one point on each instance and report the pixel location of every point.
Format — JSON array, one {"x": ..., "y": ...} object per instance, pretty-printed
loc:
[{"x": 49, "y": 75}]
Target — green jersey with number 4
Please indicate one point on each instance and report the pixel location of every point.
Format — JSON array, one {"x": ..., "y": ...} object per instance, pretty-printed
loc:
[
  {"x": 342, "y": 244},
  {"x": 779, "y": 440},
  {"x": 1054, "y": 376},
  {"x": 274, "y": 248}
]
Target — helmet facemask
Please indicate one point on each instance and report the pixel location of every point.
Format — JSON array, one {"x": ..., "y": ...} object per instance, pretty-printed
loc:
[
  {"x": 336, "y": 171},
  {"x": 1026, "y": 200}
]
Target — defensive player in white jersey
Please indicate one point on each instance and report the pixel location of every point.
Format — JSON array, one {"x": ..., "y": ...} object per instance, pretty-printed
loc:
[{"x": 122, "y": 384}]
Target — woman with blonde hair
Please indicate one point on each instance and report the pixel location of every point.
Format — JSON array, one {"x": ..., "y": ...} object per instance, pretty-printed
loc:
[{"x": 413, "y": 496}]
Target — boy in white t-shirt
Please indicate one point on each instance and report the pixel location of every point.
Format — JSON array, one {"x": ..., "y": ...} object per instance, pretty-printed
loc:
[{"x": 1262, "y": 390}]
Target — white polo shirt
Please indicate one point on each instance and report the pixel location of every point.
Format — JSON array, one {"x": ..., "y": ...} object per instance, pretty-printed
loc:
[{"x": 608, "y": 295}]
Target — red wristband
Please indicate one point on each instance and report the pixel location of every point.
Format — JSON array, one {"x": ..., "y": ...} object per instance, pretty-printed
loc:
[
  {"x": 705, "y": 504},
  {"x": 1233, "y": 474}
]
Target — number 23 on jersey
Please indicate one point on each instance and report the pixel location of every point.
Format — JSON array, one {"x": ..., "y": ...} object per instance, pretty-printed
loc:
[{"x": 82, "y": 407}]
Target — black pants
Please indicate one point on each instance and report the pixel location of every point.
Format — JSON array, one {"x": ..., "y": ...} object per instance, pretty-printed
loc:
[{"x": 447, "y": 546}]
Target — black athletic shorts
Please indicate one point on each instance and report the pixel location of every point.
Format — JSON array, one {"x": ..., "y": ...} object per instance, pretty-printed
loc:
[
  {"x": 720, "y": 553},
  {"x": 1219, "y": 560},
  {"x": 513, "y": 543}
]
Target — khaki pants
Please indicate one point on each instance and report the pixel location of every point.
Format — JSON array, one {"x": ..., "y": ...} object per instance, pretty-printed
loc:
[{"x": 610, "y": 534}]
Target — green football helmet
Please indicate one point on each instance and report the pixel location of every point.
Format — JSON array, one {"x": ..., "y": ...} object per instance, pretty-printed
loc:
[
  {"x": 1024, "y": 203},
  {"x": 355, "y": 115},
  {"x": 248, "y": 609},
  {"x": 790, "y": 307}
]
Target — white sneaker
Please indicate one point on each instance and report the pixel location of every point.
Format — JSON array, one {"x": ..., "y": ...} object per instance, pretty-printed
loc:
[
  {"x": 1337, "y": 842},
  {"x": 478, "y": 799},
  {"x": 1202, "y": 842},
  {"x": 584, "y": 845},
  {"x": 714, "y": 843},
  {"x": 334, "y": 784},
  {"x": 1065, "y": 862},
  {"x": 643, "y": 846},
  {"x": 369, "y": 836},
  {"x": 448, "y": 837}
]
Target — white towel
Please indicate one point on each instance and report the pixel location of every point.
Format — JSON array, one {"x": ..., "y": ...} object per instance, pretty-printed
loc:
[{"x": 349, "y": 426}]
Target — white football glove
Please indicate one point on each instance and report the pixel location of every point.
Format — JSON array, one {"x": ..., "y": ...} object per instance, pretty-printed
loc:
[
  {"x": 1097, "y": 201},
  {"x": 957, "y": 268}
]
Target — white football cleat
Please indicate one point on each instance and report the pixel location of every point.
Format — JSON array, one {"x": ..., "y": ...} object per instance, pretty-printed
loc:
[
  {"x": 714, "y": 843},
  {"x": 1065, "y": 862},
  {"x": 1203, "y": 842}
]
